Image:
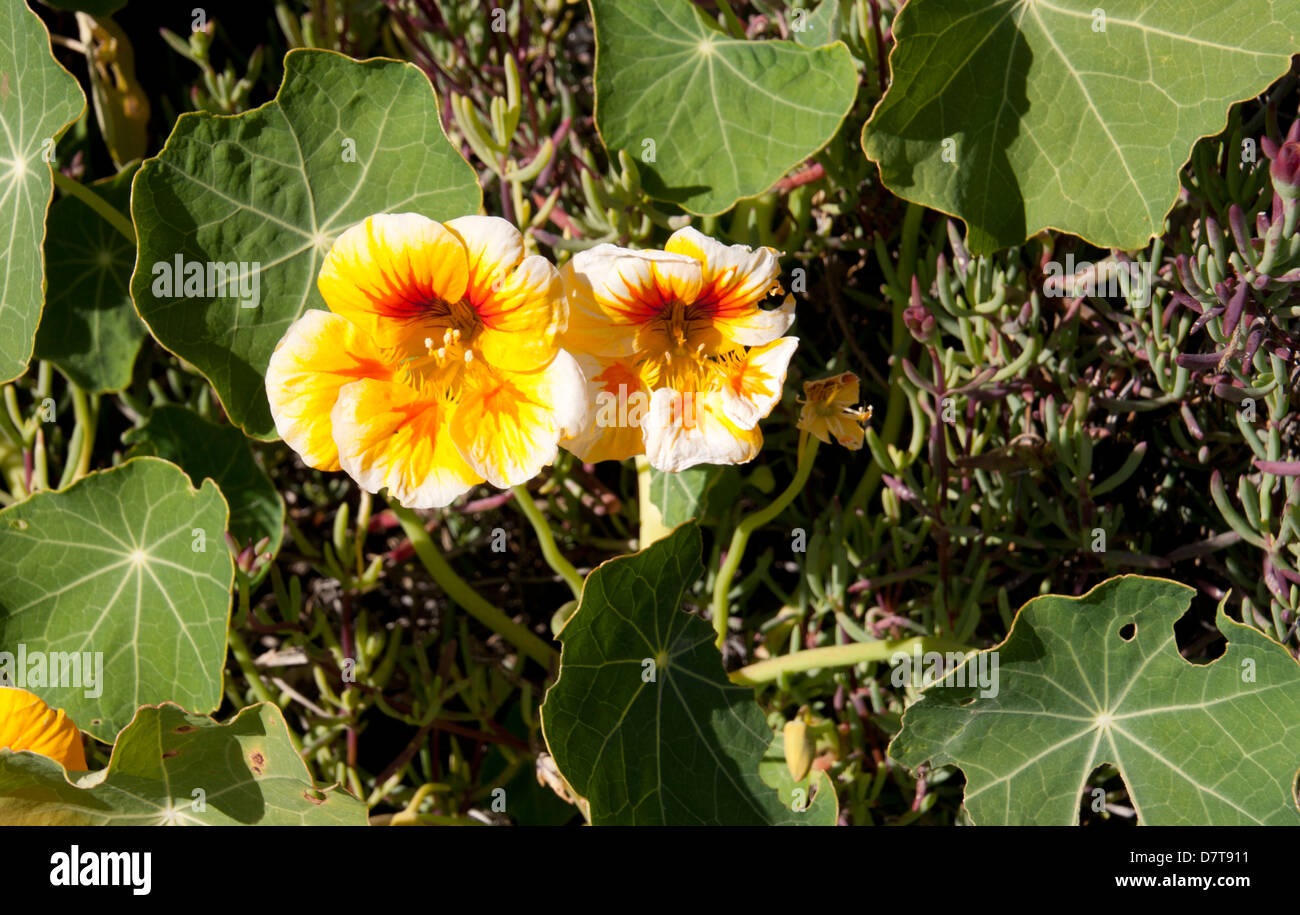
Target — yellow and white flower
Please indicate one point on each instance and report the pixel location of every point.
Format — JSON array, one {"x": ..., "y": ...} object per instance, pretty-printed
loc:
[
  {"x": 438, "y": 365},
  {"x": 27, "y": 723},
  {"x": 830, "y": 411},
  {"x": 681, "y": 360}
]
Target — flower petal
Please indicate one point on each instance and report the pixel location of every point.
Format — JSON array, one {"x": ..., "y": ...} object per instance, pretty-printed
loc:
[
  {"x": 752, "y": 383},
  {"x": 618, "y": 401},
  {"x": 507, "y": 424},
  {"x": 849, "y": 431},
  {"x": 395, "y": 276},
  {"x": 493, "y": 247},
  {"x": 613, "y": 292},
  {"x": 688, "y": 428},
  {"x": 519, "y": 300},
  {"x": 830, "y": 410},
  {"x": 27, "y": 723},
  {"x": 736, "y": 278},
  {"x": 837, "y": 391},
  {"x": 320, "y": 353},
  {"x": 391, "y": 435}
]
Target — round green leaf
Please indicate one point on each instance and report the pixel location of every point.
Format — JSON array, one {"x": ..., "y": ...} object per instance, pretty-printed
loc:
[
  {"x": 1023, "y": 115},
  {"x": 266, "y": 193},
  {"x": 643, "y": 722},
  {"x": 90, "y": 329},
  {"x": 1215, "y": 744},
  {"x": 127, "y": 566},
  {"x": 38, "y": 100},
  {"x": 709, "y": 118},
  {"x": 171, "y": 768},
  {"x": 205, "y": 450}
]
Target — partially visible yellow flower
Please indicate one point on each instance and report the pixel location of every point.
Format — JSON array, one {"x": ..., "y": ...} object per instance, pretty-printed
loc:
[
  {"x": 830, "y": 409},
  {"x": 27, "y": 723},
  {"x": 438, "y": 365},
  {"x": 681, "y": 360}
]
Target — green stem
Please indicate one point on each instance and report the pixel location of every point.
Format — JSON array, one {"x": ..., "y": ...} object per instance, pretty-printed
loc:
[
  {"x": 70, "y": 462},
  {"x": 40, "y": 463},
  {"x": 362, "y": 528},
  {"x": 239, "y": 649},
  {"x": 470, "y": 600},
  {"x": 740, "y": 537},
  {"x": 897, "y": 404},
  {"x": 652, "y": 522},
  {"x": 554, "y": 558},
  {"x": 411, "y": 815},
  {"x": 11, "y": 460},
  {"x": 87, "y": 414},
  {"x": 16, "y": 416},
  {"x": 730, "y": 20},
  {"x": 107, "y": 212},
  {"x": 9, "y": 429},
  {"x": 838, "y": 656}
]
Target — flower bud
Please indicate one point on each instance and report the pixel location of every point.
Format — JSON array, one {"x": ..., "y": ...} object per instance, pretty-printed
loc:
[
  {"x": 1285, "y": 170},
  {"x": 798, "y": 748},
  {"x": 919, "y": 322}
]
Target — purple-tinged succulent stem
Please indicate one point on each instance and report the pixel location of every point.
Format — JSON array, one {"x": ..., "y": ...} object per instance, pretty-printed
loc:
[{"x": 1240, "y": 236}]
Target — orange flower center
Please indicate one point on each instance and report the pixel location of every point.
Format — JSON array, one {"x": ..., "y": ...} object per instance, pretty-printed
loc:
[
  {"x": 679, "y": 328},
  {"x": 462, "y": 317},
  {"x": 450, "y": 330}
]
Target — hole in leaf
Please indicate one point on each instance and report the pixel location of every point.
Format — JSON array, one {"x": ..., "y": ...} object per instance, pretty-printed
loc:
[
  {"x": 1199, "y": 641},
  {"x": 1198, "y": 638},
  {"x": 1127, "y": 631},
  {"x": 1105, "y": 800}
]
